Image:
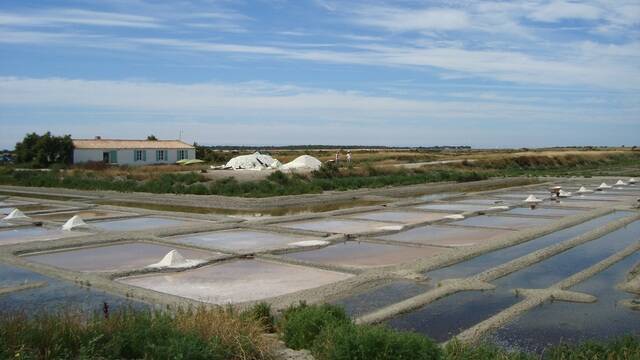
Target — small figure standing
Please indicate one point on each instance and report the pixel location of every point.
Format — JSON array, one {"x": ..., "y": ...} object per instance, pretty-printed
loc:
[
  {"x": 105, "y": 310},
  {"x": 337, "y": 158},
  {"x": 349, "y": 157}
]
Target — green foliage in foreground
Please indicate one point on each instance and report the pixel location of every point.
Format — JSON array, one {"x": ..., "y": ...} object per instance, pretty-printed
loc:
[
  {"x": 301, "y": 325},
  {"x": 325, "y": 331},
  {"x": 186, "y": 334},
  {"x": 349, "y": 341}
]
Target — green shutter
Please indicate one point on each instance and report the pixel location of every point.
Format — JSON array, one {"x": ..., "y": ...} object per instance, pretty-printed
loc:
[
  {"x": 113, "y": 157},
  {"x": 157, "y": 155},
  {"x": 144, "y": 155},
  {"x": 135, "y": 158}
]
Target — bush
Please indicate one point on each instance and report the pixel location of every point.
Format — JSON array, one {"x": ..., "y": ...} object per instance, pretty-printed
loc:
[
  {"x": 348, "y": 341},
  {"x": 186, "y": 334},
  {"x": 627, "y": 347},
  {"x": 454, "y": 350},
  {"x": 261, "y": 312},
  {"x": 300, "y": 325}
]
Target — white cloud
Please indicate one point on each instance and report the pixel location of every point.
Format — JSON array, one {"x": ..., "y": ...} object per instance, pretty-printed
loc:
[
  {"x": 77, "y": 17},
  {"x": 559, "y": 10},
  {"x": 399, "y": 20}
]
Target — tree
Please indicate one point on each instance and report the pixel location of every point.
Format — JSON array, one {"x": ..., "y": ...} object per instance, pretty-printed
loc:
[
  {"x": 44, "y": 150},
  {"x": 152, "y": 138}
]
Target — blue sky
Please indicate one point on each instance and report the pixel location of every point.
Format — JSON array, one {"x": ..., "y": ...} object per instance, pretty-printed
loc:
[{"x": 480, "y": 73}]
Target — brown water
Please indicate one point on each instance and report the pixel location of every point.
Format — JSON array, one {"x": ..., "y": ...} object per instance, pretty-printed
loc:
[
  {"x": 445, "y": 235},
  {"x": 280, "y": 211},
  {"x": 241, "y": 240},
  {"x": 505, "y": 222},
  {"x": 365, "y": 255},
  {"x": 121, "y": 257},
  {"x": 342, "y": 226},
  {"x": 405, "y": 217},
  {"x": 237, "y": 281}
]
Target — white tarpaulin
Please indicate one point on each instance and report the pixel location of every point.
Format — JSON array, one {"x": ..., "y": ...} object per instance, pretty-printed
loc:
[{"x": 255, "y": 161}]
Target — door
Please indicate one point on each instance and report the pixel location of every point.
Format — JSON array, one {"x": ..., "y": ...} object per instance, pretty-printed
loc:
[{"x": 105, "y": 157}]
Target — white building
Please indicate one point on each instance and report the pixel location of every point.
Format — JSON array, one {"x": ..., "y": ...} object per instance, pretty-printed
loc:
[{"x": 131, "y": 152}]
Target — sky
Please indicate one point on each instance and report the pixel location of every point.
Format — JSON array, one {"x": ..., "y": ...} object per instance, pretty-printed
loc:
[{"x": 487, "y": 74}]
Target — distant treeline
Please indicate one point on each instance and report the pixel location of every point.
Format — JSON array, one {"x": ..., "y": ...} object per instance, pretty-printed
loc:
[{"x": 326, "y": 147}]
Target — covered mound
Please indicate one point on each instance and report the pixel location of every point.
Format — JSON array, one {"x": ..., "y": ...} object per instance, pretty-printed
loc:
[
  {"x": 304, "y": 162},
  {"x": 16, "y": 215},
  {"x": 255, "y": 161}
]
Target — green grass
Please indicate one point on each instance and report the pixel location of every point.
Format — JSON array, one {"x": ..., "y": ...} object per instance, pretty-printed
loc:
[
  {"x": 201, "y": 333},
  {"x": 331, "y": 178},
  {"x": 185, "y": 334}
]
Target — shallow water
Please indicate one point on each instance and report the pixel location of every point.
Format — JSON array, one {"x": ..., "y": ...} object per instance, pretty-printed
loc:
[
  {"x": 27, "y": 234},
  {"x": 448, "y": 316},
  {"x": 556, "y": 322},
  {"x": 119, "y": 257},
  {"x": 241, "y": 240},
  {"x": 58, "y": 295},
  {"x": 558, "y": 267},
  {"x": 139, "y": 223},
  {"x": 445, "y": 235},
  {"x": 237, "y": 281},
  {"x": 405, "y": 217},
  {"x": 495, "y": 258},
  {"x": 454, "y": 207},
  {"x": 484, "y": 201},
  {"x": 505, "y": 222},
  {"x": 379, "y": 297},
  {"x": 337, "y": 225},
  {"x": 363, "y": 254},
  {"x": 542, "y": 211}
]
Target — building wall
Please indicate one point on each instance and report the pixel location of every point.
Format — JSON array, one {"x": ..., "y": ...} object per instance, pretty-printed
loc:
[{"x": 126, "y": 156}]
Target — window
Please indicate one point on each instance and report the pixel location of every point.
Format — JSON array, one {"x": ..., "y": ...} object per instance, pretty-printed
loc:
[
  {"x": 182, "y": 154},
  {"x": 161, "y": 155},
  {"x": 139, "y": 155}
]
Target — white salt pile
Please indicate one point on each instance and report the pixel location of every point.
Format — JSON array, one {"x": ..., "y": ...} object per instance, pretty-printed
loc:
[
  {"x": 310, "y": 243},
  {"x": 604, "y": 186},
  {"x": 391, "y": 227},
  {"x": 632, "y": 181},
  {"x": 255, "y": 161},
  {"x": 564, "y": 194},
  {"x": 454, "y": 217},
  {"x": 75, "y": 222},
  {"x": 16, "y": 214},
  {"x": 620, "y": 183},
  {"x": 532, "y": 199},
  {"x": 174, "y": 260},
  {"x": 584, "y": 190},
  {"x": 304, "y": 162},
  {"x": 499, "y": 208}
]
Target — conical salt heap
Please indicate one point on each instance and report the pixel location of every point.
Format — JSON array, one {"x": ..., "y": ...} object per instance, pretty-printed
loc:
[
  {"x": 532, "y": 199},
  {"x": 74, "y": 222},
  {"x": 16, "y": 214},
  {"x": 604, "y": 186},
  {"x": 174, "y": 259},
  {"x": 632, "y": 181},
  {"x": 621, "y": 183},
  {"x": 583, "y": 190}
]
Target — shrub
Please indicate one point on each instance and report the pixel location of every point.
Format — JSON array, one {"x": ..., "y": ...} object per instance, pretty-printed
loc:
[
  {"x": 627, "y": 347},
  {"x": 261, "y": 312},
  {"x": 349, "y": 341},
  {"x": 186, "y": 334},
  {"x": 455, "y": 350},
  {"x": 300, "y": 325}
]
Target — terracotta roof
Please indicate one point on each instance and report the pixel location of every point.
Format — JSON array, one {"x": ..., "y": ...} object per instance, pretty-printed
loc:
[{"x": 129, "y": 144}]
